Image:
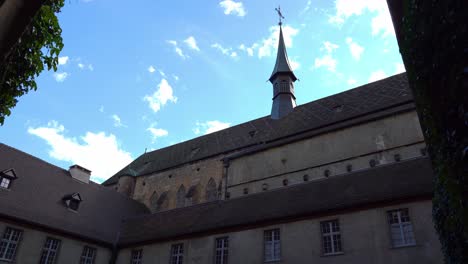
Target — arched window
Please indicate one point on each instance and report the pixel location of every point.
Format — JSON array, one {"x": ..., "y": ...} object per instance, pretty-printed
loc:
[
  {"x": 154, "y": 201},
  {"x": 180, "y": 197},
  {"x": 162, "y": 202},
  {"x": 211, "y": 193},
  {"x": 192, "y": 196}
]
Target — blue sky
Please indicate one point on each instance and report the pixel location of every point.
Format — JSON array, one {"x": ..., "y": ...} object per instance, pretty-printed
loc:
[{"x": 148, "y": 74}]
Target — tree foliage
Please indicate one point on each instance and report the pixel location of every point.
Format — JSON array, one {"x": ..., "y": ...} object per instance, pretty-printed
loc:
[
  {"x": 38, "y": 47},
  {"x": 435, "y": 52}
]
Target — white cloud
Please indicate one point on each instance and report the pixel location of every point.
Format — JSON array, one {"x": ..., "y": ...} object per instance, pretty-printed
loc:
[
  {"x": 399, "y": 68},
  {"x": 351, "y": 81},
  {"x": 84, "y": 66},
  {"x": 176, "y": 78},
  {"x": 294, "y": 64},
  {"x": 377, "y": 75},
  {"x": 151, "y": 69},
  {"x": 192, "y": 43},
  {"x": 232, "y": 7},
  {"x": 327, "y": 60},
  {"x": 381, "y": 23},
  {"x": 162, "y": 73},
  {"x": 209, "y": 127},
  {"x": 269, "y": 45},
  {"x": 63, "y": 60},
  {"x": 117, "y": 121},
  {"x": 177, "y": 49},
  {"x": 329, "y": 47},
  {"x": 60, "y": 77},
  {"x": 355, "y": 49},
  {"x": 97, "y": 152},
  {"x": 157, "y": 132},
  {"x": 249, "y": 50},
  {"x": 161, "y": 96},
  {"x": 306, "y": 8},
  {"x": 101, "y": 109},
  {"x": 226, "y": 51}
]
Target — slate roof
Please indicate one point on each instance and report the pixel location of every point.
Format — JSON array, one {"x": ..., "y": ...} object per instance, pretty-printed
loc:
[
  {"x": 35, "y": 197},
  {"x": 282, "y": 61},
  {"x": 385, "y": 183},
  {"x": 378, "y": 96}
]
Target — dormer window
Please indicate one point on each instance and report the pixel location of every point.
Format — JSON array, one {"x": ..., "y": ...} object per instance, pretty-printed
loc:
[
  {"x": 72, "y": 201},
  {"x": 6, "y": 177}
]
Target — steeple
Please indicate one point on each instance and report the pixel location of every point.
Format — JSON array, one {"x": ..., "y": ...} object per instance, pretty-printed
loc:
[{"x": 283, "y": 79}]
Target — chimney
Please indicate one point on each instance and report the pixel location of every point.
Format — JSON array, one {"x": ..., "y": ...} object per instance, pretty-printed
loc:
[{"x": 80, "y": 173}]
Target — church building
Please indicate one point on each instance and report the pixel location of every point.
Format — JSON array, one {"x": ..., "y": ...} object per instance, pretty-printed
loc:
[{"x": 343, "y": 179}]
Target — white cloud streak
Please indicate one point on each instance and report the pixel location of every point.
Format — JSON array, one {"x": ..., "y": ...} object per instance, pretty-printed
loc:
[
  {"x": 377, "y": 75},
  {"x": 161, "y": 96},
  {"x": 117, "y": 121},
  {"x": 151, "y": 69},
  {"x": 226, "y": 51},
  {"x": 268, "y": 46},
  {"x": 177, "y": 49},
  {"x": 327, "y": 61},
  {"x": 232, "y": 7},
  {"x": 192, "y": 43},
  {"x": 381, "y": 22},
  {"x": 60, "y": 77},
  {"x": 355, "y": 49},
  {"x": 97, "y": 152},
  {"x": 63, "y": 60},
  {"x": 209, "y": 127},
  {"x": 157, "y": 132}
]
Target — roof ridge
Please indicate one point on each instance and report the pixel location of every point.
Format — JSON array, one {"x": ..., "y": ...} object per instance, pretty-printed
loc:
[{"x": 34, "y": 157}]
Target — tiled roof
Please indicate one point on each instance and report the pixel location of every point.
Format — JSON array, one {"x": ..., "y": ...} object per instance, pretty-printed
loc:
[
  {"x": 370, "y": 98},
  {"x": 35, "y": 197},
  {"x": 385, "y": 183}
]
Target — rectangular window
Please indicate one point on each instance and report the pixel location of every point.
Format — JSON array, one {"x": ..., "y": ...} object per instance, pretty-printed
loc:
[
  {"x": 88, "y": 255},
  {"x": 9, "y": 244},
  {"x": 272, "y": 245},
  {"x": 4, "y": 182},
  {"x": 137, "y": 255},
  {"x": 401, "y": 228},
  {"x": 221, "y": 254},
  {"x": 331, "y": 237},
  {"x": 177, "y": 254},
  {"x": 50, "y": 251}
]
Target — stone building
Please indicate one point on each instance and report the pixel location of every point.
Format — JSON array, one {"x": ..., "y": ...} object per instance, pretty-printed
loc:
[{"x": 344, "y": 179}]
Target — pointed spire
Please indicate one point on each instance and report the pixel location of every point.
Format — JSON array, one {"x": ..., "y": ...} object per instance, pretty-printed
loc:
[
  {"x": 282, "y": 61},
  {"x": 282, "y": 79}
]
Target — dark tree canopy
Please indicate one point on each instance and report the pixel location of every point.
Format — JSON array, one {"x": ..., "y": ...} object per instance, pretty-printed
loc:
[
  {"x": 434, "y": 46},
  {"x": 38, "y": 47}
]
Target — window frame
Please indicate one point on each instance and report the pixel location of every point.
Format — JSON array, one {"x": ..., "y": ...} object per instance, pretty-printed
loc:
[
  {"x": 8, "y": 185},
  {"x": 400, "y": 227},
  {"x": 85, "y": 258},
  {"x": 47, "y": 250},
  {"x": 224, "y": 250},
  {"x": 179, "y": 256},
  {"x": 136, "y": 256},
  {"x": 9, "y": 242},
  {"x": 331, "y": 234},
  {"x": 10, "y": 176},
  {"x": 275, "y": 257}
]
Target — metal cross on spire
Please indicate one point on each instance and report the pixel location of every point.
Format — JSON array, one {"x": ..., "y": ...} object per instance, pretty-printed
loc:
[{"x": 280, "y": 15}]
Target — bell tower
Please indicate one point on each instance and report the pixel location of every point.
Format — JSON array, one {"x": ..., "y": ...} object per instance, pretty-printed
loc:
[{"x": 282, "y": 78}]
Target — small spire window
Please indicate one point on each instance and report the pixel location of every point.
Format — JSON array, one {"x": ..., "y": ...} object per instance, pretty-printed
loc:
[
  {"x": 72, "y": 201},
  {"x": 6, "y": 178}
]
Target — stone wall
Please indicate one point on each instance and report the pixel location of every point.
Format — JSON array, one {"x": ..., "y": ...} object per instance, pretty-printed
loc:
[
  {"x": 195, "y": 179},
  {"x": 362, "y": 146}
]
